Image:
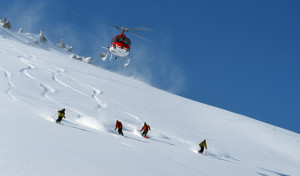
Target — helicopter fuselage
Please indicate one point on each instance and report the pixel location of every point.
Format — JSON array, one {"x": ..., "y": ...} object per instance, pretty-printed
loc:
[
  {"x": 118, "y": 50},
  {"x": 120, "y": 46}
]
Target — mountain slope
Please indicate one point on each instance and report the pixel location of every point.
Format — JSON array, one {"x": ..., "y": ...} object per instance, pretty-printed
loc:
[{"x": 37, "y": 80}]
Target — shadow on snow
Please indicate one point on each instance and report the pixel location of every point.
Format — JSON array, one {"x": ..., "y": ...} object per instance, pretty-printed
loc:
[{"x": 273, "y": 172}]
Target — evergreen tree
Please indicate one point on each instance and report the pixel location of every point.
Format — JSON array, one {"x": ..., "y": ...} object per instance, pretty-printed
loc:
[
  {"x": 43, "y": 39},
  {"x": 70, "y": 49},
  {"x": 20, "y": 31},
  {"x": 3, "y": 20},
  {"x": 62, "y": 44},
  {"x": 8, "y": 25}
]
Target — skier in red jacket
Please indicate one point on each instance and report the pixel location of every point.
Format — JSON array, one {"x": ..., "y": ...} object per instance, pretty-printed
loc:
[
  {"x": 119, "y": 126},
  {"x": 145, "y": 128}
]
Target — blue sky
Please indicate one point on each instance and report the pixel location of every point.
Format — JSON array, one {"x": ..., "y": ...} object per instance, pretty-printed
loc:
[{"x": 242, "y": 56}]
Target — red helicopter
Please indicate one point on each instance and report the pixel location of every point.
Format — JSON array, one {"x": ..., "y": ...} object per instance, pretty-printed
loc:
[{"x": 120, "y": 44}]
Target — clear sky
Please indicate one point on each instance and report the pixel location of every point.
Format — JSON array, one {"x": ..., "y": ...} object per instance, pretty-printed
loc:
[{"x": 242, "y": 56}]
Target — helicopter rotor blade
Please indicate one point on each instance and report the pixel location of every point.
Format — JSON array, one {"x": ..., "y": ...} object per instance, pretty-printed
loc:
[
  {"x": 82, "y": 16},
  {"x": 140, "y": 29},
  {"x": 112, "y": 25},
  {"x": 124, "y": 29},
  {"x": 140, "y": 37}
]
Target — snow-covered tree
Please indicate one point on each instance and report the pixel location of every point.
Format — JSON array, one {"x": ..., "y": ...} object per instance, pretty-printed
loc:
[
  {"x": 70, "y": 49},
  {"x": 43, "y": 39},
  {"x": 88, "y": 60},
  {"x": 3, "y": 20},
  {"x": 62, "y": 44},
  {"x": 8, "y": 25},
  {"x": 5, "y": 24},
  {"x": 20, "y": 31}
]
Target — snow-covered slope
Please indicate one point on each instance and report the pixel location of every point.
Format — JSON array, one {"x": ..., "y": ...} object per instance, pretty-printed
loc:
[{"x": 38, "y": 80}]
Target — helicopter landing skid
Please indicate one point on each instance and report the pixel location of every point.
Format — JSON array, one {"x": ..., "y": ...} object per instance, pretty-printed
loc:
[
  {"x": 126, "y": 61},
  {"x": 104, "y": 57}
]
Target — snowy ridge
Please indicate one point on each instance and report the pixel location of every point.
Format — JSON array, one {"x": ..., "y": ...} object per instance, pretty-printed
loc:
[{"x": 38, "y": 80}]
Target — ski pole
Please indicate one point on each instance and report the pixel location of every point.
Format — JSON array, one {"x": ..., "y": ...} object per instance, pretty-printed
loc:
[{"x": 53, "y": 115}]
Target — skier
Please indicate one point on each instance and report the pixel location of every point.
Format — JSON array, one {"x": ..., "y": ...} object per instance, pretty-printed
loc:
[
  {"x": 202, "y": 145},
  {"x": 61, "y": 115},
  {"x": 119, "y": 126},
  {"x": 145, "y": 128}
]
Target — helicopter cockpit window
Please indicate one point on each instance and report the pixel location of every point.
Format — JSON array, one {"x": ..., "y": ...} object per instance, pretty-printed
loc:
[
  {"x": 119, "y": 39},
  {"x": 127, "y": 41}
]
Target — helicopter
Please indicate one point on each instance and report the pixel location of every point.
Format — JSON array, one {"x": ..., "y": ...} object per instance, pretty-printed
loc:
[{"x": 120, "y": 44}]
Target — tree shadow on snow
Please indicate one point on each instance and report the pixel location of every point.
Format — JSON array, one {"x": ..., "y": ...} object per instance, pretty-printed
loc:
[
  {"x": 223, "y": 158},
  {"x": 261, "y": 174},
  {"x": 273, "y": 172},
  {"x": 73, "y": 125},
  {"x": 161, "y": 141},
  {"x": 114, "y": 132},
  {"x": 135, "y": 139}
]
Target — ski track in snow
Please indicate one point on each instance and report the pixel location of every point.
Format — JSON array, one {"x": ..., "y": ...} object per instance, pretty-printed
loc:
[
  {"x": 8, "y": 76},
  {"x": 24, "y": 70},
  {"x": 55, "y": 74},
  {"x": 134, "y": 117},
  {"x": 59, "y": 72},
  {"x": 97, "y": 100},
  {"x": 55, "y": 77},
  {"x": 48, "y": 89},
  {"x": 128, "y": 145},
  {"x": 95, "y": 90},
  {"x": 95, "y": 94}
]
